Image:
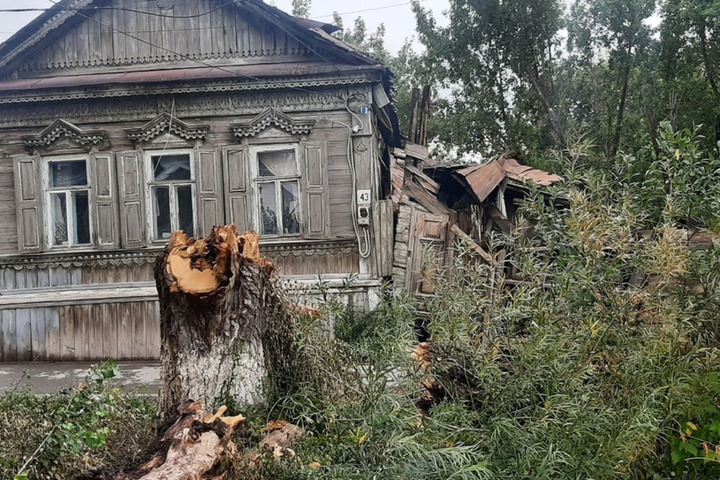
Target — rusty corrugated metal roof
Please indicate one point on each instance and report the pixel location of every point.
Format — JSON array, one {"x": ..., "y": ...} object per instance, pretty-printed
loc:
[
  {"x": 484, "y": 179},
  {"x": 523, "y": 173}
]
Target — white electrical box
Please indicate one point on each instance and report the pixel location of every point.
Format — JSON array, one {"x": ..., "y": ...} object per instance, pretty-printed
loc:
[{"x": 363, "y": 214}]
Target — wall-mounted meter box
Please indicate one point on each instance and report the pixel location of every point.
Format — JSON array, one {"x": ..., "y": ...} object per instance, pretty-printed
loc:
[{"x": 363, "y": 207}]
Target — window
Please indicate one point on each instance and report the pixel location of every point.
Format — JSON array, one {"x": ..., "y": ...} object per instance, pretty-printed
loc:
[
  {"x": 68, "y": 202},
  {"x": 171, "y": 189},
  {"x": 278, "y": 190}
]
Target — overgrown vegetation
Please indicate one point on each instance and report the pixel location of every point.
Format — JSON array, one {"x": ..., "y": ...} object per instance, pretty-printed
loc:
[{"x": 76, "y": 432}]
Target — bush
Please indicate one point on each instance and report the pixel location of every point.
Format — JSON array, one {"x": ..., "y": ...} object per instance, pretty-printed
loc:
[{"x": 77, "y": 432}]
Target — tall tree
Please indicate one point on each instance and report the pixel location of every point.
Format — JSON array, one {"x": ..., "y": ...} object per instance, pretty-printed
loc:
[
  {"x": 301, "y": 8},
  {"x": 499, "y": 59},
  {"x": 691, "y": 50},
  {"x": 611, "y": 36}
]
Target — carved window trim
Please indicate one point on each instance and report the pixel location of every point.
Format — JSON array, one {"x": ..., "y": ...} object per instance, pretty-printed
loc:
[
  {"x": 61, "y": 129},
  {"x": 272, "y": 117},
  {"x": 166, "y": 123}
]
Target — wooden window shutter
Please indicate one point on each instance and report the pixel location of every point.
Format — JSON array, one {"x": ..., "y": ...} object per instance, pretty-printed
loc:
[
  {"x": 211, "y": 211},
  {"x": 107, "y": 231},
  {"x": 132, "y": 205},
  {"x": 28, "y": 203},
  {"x": 235, "y": 168},
  {"x": 316, "y": 208}
]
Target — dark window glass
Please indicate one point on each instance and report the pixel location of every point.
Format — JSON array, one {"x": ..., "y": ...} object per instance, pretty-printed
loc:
[
  {"x": 185, "y": 210},
  {"x": 268, "y": 209},
  {"x": 277, "y": 163},
  {"x": 171, "y": 167},
  {"x": 71, "y": 173},
  {"x": 81, "y": 209},
  {"x": 291, "y": 207},
  {"x": 163, "y": 228}
]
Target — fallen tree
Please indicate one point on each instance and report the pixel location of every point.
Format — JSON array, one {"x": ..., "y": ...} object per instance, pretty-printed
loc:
[{"x": 218, "y": 301}]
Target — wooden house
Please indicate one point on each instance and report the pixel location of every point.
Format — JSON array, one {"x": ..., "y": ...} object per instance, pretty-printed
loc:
[{"x": 123, "y": 120}]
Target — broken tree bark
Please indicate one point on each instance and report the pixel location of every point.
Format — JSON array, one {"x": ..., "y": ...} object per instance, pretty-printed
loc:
[
  {"x": 217, "y": 300},
  {"x": 192, "y": 446}
]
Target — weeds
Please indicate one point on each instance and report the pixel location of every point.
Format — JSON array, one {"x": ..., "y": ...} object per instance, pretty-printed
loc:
[{"x": 76, "y": 432}]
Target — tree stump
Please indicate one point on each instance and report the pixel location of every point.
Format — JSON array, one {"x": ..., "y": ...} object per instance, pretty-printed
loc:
[{"x": 217, "y": 299}]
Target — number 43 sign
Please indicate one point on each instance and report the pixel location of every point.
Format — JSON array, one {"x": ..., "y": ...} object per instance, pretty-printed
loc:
[{"x": 363, "y": 196}]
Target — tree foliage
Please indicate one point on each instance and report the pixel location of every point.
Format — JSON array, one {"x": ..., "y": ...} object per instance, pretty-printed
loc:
[{"x": 536, "y": 76}]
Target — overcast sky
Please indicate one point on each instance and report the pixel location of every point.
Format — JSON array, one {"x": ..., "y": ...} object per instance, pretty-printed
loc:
[{"x": 395, "y": 14}]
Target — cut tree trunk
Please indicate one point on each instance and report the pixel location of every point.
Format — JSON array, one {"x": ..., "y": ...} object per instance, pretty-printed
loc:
[{"x": 218, "y": 299}]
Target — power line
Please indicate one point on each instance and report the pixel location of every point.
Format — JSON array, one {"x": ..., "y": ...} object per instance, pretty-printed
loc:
[
  {"x": 187, "y": 57},
  {"x": 332, "y": 15},
  {"x": 118, "y": 9}
]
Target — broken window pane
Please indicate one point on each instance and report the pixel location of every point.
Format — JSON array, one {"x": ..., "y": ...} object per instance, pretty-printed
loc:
[
  {"x": 185, "y": 210},
  {"x": 291, "y": 207},
  {"x": 71, "y": 173},
  {"x": 277, "y": 163},
  {"x": 81, "y": 211},
  {"x": 161, "y": 199},
  {"x": 268, "y": 209},
  {"x": 171, "y": 167},
  {"x": 58, "y": 214}
]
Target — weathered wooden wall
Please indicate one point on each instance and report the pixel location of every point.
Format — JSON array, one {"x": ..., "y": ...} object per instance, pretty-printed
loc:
[
  {"x": 118, "y": 37},
  {"x": 328, "y": 132},
  {"x": 124, "y": 331}
]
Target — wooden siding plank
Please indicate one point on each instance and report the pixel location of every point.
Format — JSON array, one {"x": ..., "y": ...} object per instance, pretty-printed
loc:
[
  {"x": 95, "y": 332},
  {"x": 120, "y": 39},
  {"x": 123, "y": 316},
  {"x": 67, "y": 334},
  {"x": 110, "y": 331},
  {"x": 43, "y": 278},
  {"x": 52, "y": 334},
  {"x": 37, "y": 321},
  {"x": 23, "y": 335},
  {"x": 143, "y": 34},
  {"x": 83, "y": 43},
  {"x": 94, "y": 40},
  {"x": 9, "y": 328},
  {"x": 139, "y": 341},
  {"x": 152, "y": 329},
  {"x": 105, "y": 20},
  {"x": 8, "y": 280},
  {"x": 59, "y": 277}
]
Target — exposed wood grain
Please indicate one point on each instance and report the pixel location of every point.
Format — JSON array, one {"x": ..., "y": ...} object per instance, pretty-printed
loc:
[
  {"x": 38, "y": 329},
  {"x": 96, "y": 333},
  {"x": 52, "y": 333},
  {"x": 139, "y": 344},
  {"x": 110, "y": 331},
  {"x": 125, "y": 333},
  {"x": 9, "y": 336},
  {"x": 67, "y": 334},
  {"x": 23, "y": 326}
]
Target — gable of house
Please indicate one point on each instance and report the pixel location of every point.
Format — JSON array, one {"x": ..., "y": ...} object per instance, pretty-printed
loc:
[{"x": 81, "y": 36}]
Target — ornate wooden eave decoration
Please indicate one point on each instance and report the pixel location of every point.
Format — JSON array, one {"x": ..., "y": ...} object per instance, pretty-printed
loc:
[
  {"x": 272, "y": 117},
  {"x": 167, "y": 123},
  {"x": 62, "y": 129}
]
